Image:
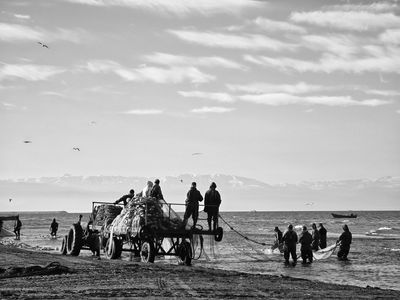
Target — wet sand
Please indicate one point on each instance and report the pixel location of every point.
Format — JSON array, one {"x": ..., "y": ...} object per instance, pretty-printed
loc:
[{"x": 93, "y": 278}]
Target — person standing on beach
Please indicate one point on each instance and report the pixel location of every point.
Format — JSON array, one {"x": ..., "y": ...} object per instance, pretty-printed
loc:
[
  {"x": 212, "y": 201},
  {"x": 17, "y": 228},
  {"x": 125, "y": 198},
  {"x": 305, "y": 240},
  {"x": 315, "y": 238},
  {"x": 193, "y": 198},
  {"x": 344, "y": 242},
  {"x": 278, "y": 239},
  {"x": 322, "y": 236},
  {"x": 289, "y": 244},
  {"x": 53, "y": 228},
  {"x": 156, "y": 190}
]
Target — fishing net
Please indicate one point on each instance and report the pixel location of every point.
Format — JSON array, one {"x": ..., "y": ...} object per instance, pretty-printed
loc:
[
  {"x": 103, "y": 215},
  {"x": 324, "y": 253}
]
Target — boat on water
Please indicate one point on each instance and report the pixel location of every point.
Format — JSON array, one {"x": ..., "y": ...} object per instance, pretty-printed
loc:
[{"x": 344, "y": 216}]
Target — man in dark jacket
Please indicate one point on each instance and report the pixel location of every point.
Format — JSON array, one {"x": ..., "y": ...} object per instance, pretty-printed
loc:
[
  {"x": 322, "y": 236},
  {"x": 289, "y": 244},
  {"x": 305, "y": 240},
  {"x": 156, "y": 190},
  {"x": 278, "y": 240},
  {"x": 315, "y": 238},
  {"x": 126, "y": 198},
  {"x": 53, "y": 228},
  {"x": 344, "y": 242},
  {"x": 192, "y": 205},
  {"x": 212, "y": 201},
  {"x": 17, "y": 228}
]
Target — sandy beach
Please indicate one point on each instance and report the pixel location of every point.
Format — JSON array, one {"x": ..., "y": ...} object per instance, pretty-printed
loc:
[{"x": 89, "y": 277}]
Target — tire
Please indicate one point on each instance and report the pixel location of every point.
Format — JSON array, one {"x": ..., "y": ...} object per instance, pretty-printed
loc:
[
  {"x": 147, "y": 251},
  {"x": 74, "y": 240},
  {"x": 63, "y": 249},
  {"x": 113, "y": 248},
  {"x": 219, "y": 233},
  {"x": 185, "y": 253}
]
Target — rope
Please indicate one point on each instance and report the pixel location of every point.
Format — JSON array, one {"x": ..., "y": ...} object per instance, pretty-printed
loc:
[{"x": 242, "y": 235}]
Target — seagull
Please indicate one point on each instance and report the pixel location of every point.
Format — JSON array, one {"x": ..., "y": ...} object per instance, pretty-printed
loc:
[
  {"x": 10, "y": 200},
  {"x": 77, "y": 149},
  {"x": 182, "y": 180},
  {"x": 27, "y": 142},
  {"x": 197, "y": 153},
  {"x": 43, "y": 45},
  {"x": 309, "y": 203}
]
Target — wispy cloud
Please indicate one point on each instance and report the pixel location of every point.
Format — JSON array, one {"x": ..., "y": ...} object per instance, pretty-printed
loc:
[
  {"x": 220, "y": 97},
  {"x": 22, "y": 17},
  {"x": 51, "y": 93},
  {"x": 28, "y": 72},
  {"x": 347, "y": 20},
  {"x": 338, "y": 44},
  {"x": 152, "y": 74},
  {"x": 212, "y": 109},
  {"x": 231, "y": 41},
  {"x": 181, "y": 60},
  {"x": 179, "y": 7},
  {"x": 381, "y": 6},
  {"x": 277, "y": 99},
  {"x": 260, "y": 88},
  {"x": 272, "y": 26},
  {"x": 390, "y": 36},
  {"x": 143, "y": 112}
]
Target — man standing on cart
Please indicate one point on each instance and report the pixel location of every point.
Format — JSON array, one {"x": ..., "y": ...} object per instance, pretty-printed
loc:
[
  {"x": 192, "y": 205},
  {"x": 212, "y": 201}
]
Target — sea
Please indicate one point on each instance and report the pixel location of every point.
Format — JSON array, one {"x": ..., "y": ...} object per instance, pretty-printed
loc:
[{"x": 374, "y": 258}]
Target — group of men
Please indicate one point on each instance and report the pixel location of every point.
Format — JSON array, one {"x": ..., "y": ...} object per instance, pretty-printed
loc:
[
  {"x": 310, "y": 242},
  {"x": 212, "y": 201}
]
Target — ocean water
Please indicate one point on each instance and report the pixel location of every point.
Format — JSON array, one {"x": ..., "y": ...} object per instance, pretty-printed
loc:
[{"x": 374, "y": 257}]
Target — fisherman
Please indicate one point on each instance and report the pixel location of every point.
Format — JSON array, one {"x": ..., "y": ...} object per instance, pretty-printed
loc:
[
  {"x": 193, "y": 198},
  {"x": 212, "y": 201},
  {"x": 305, "y": 240},
  {"x": 278, "y": 239},
  {"x": 289, "y": 244},
  {"x": 156, "y": 190},
  {"x": 315, "y": 237},
  {"x": 322, "y": 236},
  {"x": 125, "y": 198},
  {"x": 344, "y": 242},
  {"x": 53, "y": 228},
  {"x": 17, "y": 228}
]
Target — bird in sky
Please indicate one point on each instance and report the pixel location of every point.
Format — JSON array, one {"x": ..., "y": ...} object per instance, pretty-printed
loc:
[
  {"x": 77, "y": 149},
  {"x": 27, "y": 142},
  {"x": 309, "y": 203},
  {"x": 197, "y": 153},
  {"x": 43, "y": 45},
  {"x": 181, "y": 180},
  {"x": 9, "y": 200}
]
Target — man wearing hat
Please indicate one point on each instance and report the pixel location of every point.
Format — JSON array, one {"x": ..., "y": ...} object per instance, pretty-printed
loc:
[{"x": 212, "y": 201}]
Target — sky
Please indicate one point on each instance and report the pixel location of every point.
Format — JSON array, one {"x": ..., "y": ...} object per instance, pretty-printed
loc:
[{"x": 279, "y": 91}]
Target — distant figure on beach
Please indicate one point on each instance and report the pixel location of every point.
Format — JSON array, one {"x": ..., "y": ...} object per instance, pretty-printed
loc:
[
  {"x": 322, "y": 236},
  {"x": 278, "y": 239},
  {"x": 125, "y": 198},
  {"x": 305, "y": 240},
  {"x": 80, "y": 219},
  {"x": 344, "y": 242},
  {"x": 53, "y": 228},
  {"x": 147, "y": 189},
  {"x": 156, "y": 190},
  {"x": 212, "y": 201},
  {"x": 17, "y": 228},
  {"x": 193, "y": 198},
  {"x": 315, "y": 238},
  {"x": 289, "y": 244}
]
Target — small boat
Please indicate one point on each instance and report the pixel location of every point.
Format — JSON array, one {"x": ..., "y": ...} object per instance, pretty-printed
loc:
[{"x": 344, "y": 216}]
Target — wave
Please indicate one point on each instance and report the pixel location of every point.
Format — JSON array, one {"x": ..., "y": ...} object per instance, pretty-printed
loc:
[{"x": 384, "y": 232}]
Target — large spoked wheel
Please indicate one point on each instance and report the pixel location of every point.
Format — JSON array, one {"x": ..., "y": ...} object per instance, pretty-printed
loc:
[
  {"x": 185, "y": 253},
  {"x": 63, "y": 249},
  {"x": 113, "y": 248},
  {"x": 219, "y": 233},
  {"x": 74, "y": 240},
  {"x": 147, "y": 251}
]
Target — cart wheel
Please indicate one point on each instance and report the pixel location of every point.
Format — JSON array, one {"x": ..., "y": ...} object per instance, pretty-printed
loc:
[
  {"x": 113, "y": 248},
  {"x": 147, "y": 252},
  {"x": 185, "y": 253},
  {"x": 219, "y": 233},
  {"x": 74, "y": 240},
  {"x": 63, "y": 249}
]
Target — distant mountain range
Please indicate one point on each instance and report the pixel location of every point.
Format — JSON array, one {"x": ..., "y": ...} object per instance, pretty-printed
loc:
[{"x": 75, "y": 193}]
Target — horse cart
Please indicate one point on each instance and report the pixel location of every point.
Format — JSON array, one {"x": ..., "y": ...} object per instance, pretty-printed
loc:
[{"x": 145, "y": 227}]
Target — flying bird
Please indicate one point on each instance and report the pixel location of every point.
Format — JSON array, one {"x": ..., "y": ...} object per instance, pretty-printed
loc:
[
  {"x": 182, "y": 180},
  {"x": 9, "y": 200},
  {"x": 309, "y": 203},
  {"x": 197, "y": 153},
  {"x": 27, "y": 142},
  {"x": 77, "y": 149},
  {"x": 43, "y": 45}
]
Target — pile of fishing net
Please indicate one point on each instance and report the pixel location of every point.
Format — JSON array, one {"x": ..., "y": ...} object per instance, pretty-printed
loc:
[
  {"x": 104, "y": 215},
  {"x": 50, "y": 269},
  {"x": 133, "y": 217}
]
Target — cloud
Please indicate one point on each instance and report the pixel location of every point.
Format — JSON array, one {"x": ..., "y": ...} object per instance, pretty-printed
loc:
[
  {"x": 373, "y": 7},
  {"x": 174, "y": 60},
  {"x": 278, "y": 99},
  {"x": 231, "y": 41},
  {"x": 143, "y": 112},
  {"x": 179, "y": 7},
  {"x": 51, "y": 93},
  {"x": 22, "y": 17},
  {"x": 272, "y": 26},
  {"x": 153, "y": 74},
  {"x": 347, "y": 20},
  {"x": 390, "y": 36},
  {"x": 260, "y": 88},
  {"x": 28, "y": 72},
  {"x": 220, "y": 97},
  {"x": 341, "y": 45},
  {"x": 398, "y": 111},
  {"x": 212, "y": 109},
  {"x": 385, "y": 93}
]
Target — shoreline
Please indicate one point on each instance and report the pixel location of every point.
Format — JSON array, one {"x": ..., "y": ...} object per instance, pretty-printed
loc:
[{"x": 93, "y": 278}]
